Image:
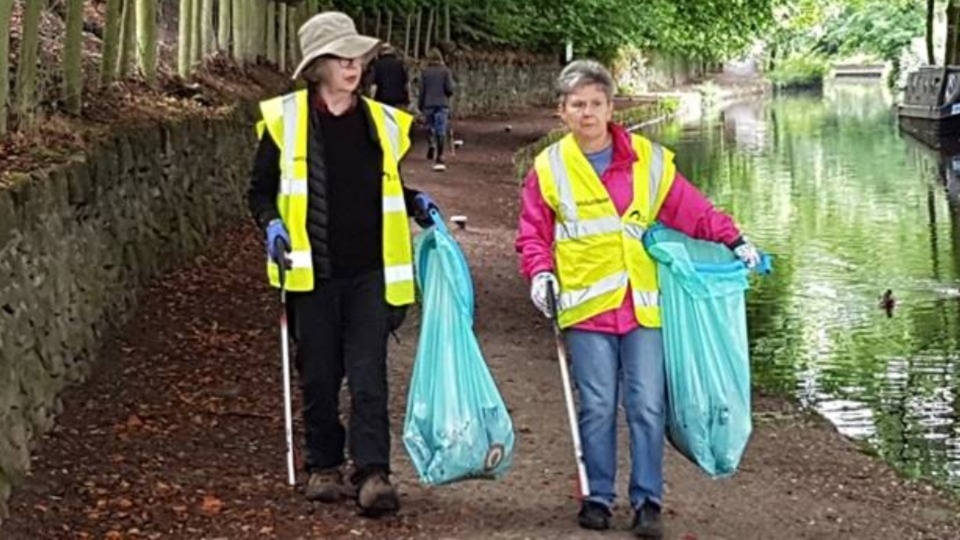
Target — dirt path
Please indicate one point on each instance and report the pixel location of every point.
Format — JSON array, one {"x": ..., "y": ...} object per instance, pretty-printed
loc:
[{"x": 179, "y": 435}]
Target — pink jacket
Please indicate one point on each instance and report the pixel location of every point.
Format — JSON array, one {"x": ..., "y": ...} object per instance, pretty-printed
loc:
[{"x": 684, "y": 209}]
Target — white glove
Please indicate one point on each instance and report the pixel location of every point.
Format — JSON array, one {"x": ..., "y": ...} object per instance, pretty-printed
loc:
[
  {"x": 543, "y": 285},
  {"x": 748, "y": 253}
]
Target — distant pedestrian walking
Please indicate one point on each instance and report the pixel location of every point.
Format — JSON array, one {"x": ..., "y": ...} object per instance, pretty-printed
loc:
[
  {"x": 436, "y": 89},
  {"x": 390, "y": 79}
]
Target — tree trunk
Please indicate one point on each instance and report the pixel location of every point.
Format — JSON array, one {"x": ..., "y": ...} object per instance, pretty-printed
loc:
[
  {"x": 436, "y": 28},
  {"x": 206, "y": 28},
  {"x": 73, "y": 58},
  {"x": 376, "y": 32},
  {"x": 272, "y": 32},
  {"x": 406, "y": 34},
  {"x": 184, "y": 43},
  {"x": 239, "y": 31},
  {"x": 260, "y": 24},
  {"x": 282, "y": 37},
  {"x": 224, "y": 8},
  {"x": 446, "y": 22},
  {"x": 196, "y": 41},
  {"x": 257, "y": 39},
  {"x": 111, "y": 41},
  {"x": 931, "y": 4},
  {"x": 26, "y": 84},
  {"x": 427, "y": 37},
  {"x": 6, "y": 11},
  {"x": 147, "y": 39},
  {"x": 248, "y": 31},
  {"x": 128, "y": 45},
  {"x": 389, "y": 27},
  {"x": 292, "y": 23},
  {"x": 416, "y": 34}
]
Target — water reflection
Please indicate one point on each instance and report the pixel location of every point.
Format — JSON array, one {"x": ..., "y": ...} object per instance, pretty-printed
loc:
[{"x": 851, "y": 208}]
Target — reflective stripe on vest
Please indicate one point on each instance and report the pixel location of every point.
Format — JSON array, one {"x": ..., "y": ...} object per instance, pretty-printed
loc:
[
  {"x": 606, "y": 285},
  {"x": 571, "y": 227},
  {"x": 285, "y": 118},
  {"x": 598, "y": 252},
  {"x": 282, "y": 119},
  {"x": 392, "y": 127}
]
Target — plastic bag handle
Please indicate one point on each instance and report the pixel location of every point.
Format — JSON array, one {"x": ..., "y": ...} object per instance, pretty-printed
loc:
[
  {"x": 438, "y": 220},
  {"x": 765, "y": 266}
]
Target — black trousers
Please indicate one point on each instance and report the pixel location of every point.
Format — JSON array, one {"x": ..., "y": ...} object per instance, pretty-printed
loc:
[{"x": 341, "y": 329}]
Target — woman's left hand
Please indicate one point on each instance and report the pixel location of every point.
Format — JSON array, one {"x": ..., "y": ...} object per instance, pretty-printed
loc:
[
  {"x": 422, "y": 206},
  {"x": 748, "y": 253}
]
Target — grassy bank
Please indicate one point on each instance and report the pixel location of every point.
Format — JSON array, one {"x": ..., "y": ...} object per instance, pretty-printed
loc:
[{"x": 799, "y": 73}]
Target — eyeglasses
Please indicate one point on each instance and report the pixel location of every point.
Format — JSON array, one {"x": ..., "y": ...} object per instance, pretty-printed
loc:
[{"x": 346, "y": 62}]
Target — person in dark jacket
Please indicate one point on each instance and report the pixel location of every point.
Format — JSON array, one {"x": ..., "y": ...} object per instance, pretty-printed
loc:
[
  {"x": 436, "y": 89},
  {"x": 327, "y": 191},
  {"x": 389, "y": 79}
]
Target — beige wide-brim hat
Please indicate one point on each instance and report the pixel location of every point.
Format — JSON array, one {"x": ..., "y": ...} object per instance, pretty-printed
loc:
[{"x": 331, "y": 33}]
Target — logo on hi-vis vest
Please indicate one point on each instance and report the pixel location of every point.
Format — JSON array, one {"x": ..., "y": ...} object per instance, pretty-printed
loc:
[
  {"x": 593, "y": 202},
  {"x": 494, "y": 457}
]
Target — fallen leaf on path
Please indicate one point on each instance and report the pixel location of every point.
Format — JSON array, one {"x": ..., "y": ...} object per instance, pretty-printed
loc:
[{"x": 211, "y": 505}]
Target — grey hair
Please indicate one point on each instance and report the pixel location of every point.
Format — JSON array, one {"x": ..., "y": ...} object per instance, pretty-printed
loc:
[
  {"x": 315, "y": 72},
  {"x": 583, "y": 72}
]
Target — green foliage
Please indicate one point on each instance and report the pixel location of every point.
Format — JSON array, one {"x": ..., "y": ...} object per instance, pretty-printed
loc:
[
  {"x": 880, "y": 29},
  {"x": 799, "y": 72},
  {"x": 711, "y": 30},
  {"x": 708, "y": 30}
]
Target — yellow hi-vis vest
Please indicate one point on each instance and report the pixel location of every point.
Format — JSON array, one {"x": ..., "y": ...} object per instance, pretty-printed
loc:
[
  {"x": 598, "y": 252},
  {"x": 286, "y": 118}
]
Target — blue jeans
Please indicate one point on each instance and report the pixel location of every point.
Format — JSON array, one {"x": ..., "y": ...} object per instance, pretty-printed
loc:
[
  {"x": 437, "y": 118},
  {"x": 604, "y": 365}
]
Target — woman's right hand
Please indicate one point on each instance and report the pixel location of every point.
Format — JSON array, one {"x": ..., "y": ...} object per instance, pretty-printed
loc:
[
  {"x": 542, "y": 286},
  {"x": 277, "y": 231}
]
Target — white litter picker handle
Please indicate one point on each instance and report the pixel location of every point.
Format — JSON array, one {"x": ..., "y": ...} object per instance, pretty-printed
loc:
[
  {"x": 285, "y": 358},
  {"x": 582, "y": 482}
]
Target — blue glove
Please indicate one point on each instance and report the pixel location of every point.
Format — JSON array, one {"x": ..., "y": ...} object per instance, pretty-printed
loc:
[
  {"x": 421, "y": 211},
  {"x": 276, "y": 230}
]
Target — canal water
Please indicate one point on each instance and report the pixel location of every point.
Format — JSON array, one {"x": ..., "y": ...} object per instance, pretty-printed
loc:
[{"x": 850, "y": 208}]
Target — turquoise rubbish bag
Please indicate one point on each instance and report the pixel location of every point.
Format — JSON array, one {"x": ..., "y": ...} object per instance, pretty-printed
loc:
[
  {"x": 703, "y": 312},
  {"x": 457, "y": 426}
]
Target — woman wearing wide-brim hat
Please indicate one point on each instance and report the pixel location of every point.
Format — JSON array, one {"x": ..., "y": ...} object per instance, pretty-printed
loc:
[{"x": 326, "y": 187}]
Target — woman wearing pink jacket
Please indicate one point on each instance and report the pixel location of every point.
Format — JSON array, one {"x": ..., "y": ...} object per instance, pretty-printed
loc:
[{"x": 585, "y": 205}]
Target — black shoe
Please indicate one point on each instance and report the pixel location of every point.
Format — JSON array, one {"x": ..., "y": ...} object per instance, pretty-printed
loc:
[
  {"x": 647, "y": 522},
  {"x": 430, "y": 153},
  {"x": 594, "y": 516}
]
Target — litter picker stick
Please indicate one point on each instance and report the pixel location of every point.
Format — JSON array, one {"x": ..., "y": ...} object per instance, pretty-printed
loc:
[
  {"x": 583, "y": 486},
  {"x": 281, "y": 247}
]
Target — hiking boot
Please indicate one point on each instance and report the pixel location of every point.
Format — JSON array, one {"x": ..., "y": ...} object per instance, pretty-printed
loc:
[
  {"x": 430, "y": 152},
  {"x": 594, "y": 516},
  {"x": 324, "y": 485},
  {"x": 377, "y": 496},
  {"x": 647, "y": 522},
  {"x": 439, "y": 165}
]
